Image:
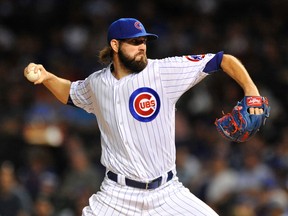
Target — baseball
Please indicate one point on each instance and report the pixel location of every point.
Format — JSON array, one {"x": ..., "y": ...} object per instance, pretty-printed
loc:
[{"x": 33, "y": 77}]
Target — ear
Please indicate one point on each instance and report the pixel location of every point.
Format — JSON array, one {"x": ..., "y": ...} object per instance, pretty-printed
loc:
[{"x": 115, "y": 45}]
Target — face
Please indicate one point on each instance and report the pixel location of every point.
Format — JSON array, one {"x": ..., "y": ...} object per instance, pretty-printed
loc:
[{"x": 132, "y": 54}]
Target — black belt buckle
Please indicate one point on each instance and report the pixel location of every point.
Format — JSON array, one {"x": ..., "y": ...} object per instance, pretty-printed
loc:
[
  {"x": 148, "y": 185},
  {"x": 142, "y": 185},
  {"x": 154, "y": 184}
]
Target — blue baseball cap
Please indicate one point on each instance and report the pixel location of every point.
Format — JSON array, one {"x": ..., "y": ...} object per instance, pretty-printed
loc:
[{"x": 125, "y": 28}]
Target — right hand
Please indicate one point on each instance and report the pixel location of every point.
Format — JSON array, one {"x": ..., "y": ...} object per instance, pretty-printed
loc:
[{"x": 32, "y": 67}]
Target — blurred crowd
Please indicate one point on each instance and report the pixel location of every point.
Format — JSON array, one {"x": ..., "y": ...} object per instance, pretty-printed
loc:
[{"x": 50, "y": 153}]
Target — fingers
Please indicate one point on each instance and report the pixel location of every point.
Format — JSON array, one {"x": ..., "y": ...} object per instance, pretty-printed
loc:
[
  {"x": 40, "y": 80},
  {"x": 35, "y": 68},
  {"x": 255, "y": 111},
  {"x": 32, "y": 67},
  {"x": 28, "y": 69}
]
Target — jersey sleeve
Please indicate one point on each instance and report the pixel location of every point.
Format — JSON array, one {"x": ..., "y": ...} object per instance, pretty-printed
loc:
[
  {"x": 213, "y": 64},
  {"x": 81, "y": 94},
  {"x": 179, "y": 74}
]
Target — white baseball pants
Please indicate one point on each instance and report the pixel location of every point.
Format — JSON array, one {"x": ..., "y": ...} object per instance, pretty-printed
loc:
[{"x": 171, "y": 198}]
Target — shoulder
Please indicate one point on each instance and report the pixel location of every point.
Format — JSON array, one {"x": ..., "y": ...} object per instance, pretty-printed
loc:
[
  {"x": 171, "y": 59},
  {"x": 99, "y": 73},
  {"x": 89, "y": 79},
  {"x": 194, "y": 58}
]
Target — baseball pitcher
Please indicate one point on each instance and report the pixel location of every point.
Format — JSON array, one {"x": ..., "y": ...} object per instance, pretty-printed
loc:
[{"x": 133, "y": 99}]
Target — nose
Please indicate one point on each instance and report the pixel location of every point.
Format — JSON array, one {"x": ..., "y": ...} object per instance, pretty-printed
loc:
[{"x": 142, "y": 46}]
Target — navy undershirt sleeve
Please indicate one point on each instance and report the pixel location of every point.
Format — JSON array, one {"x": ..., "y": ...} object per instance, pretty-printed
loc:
[
  {"x": 214, "y": 64},
  {"x": 70, "y": 102}
]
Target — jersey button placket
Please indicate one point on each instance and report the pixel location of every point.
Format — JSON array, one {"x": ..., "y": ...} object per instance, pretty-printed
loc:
[{"x": 118, "y": 116}]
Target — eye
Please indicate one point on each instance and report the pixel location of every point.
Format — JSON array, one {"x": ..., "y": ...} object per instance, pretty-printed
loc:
[
  {"x": 136, "y": 41},
  {"x": 144, "y": 40}
]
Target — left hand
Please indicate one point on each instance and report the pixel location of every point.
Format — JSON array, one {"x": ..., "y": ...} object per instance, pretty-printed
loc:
[{"x": 255, "y": 111}]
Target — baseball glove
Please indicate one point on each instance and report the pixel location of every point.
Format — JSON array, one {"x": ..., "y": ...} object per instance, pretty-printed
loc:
[{"x": 240, "y": 125}]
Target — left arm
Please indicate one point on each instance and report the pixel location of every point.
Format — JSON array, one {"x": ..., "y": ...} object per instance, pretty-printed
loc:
[{"x": 236, "y": 70}]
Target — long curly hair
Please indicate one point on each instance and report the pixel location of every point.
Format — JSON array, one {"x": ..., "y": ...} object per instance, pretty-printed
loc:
[{"x": 105, "y": 55}]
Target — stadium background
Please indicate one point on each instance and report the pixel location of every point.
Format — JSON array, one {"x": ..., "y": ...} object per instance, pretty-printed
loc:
[{"x": 49, "y": 153}]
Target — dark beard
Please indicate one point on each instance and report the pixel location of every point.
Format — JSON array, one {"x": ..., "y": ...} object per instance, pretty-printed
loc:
[{"x": 131, "y": 64}]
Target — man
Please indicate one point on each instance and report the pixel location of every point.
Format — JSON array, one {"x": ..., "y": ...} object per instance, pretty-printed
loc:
[{"x": 134, "y": 101}]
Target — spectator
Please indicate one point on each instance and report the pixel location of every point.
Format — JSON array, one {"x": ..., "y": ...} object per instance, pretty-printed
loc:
[
  {"x": 81, "y": 178},
  {"x": 14, "y": 201}
]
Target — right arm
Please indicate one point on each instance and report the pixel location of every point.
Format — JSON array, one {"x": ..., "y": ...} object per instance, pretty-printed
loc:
[{"x": 59, "y": 87}]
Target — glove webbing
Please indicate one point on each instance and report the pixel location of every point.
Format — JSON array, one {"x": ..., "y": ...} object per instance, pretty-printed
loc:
[{"x": 233, "y": 122}]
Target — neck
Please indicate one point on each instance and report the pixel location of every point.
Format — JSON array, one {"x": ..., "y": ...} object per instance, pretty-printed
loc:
[{"x": 119, "y": 71}]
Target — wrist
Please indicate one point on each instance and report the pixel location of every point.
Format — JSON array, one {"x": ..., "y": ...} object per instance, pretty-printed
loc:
[{"x": 251, "y": 90}]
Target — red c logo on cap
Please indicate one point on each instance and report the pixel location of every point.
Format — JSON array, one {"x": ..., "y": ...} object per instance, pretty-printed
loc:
[{"x": 138, "y": 25}]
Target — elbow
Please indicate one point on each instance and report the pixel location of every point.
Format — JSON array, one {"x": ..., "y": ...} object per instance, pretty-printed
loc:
[
  {"x": 229, "y": 62},
  {"x": 63, "y": 100}
]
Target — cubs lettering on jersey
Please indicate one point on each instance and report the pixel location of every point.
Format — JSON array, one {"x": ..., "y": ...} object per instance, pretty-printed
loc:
[{"x": 144, "y": 104}]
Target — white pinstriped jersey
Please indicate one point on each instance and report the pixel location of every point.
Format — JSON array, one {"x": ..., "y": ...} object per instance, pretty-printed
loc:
[{"x": 136, "y": 114}]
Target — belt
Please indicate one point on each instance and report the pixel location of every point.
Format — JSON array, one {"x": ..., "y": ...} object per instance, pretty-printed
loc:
[{"x": 142, "y": 185}]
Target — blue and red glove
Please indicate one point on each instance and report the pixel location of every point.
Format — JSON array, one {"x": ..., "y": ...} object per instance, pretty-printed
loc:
[{"x": 240, "y": 125}]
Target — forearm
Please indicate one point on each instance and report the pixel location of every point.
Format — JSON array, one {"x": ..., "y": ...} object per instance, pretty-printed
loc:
[
  {"x": 59, "y": 87},
  {"x": 235, "y": 69}
]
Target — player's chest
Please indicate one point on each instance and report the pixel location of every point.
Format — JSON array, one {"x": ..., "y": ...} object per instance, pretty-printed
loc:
[{"x": 133, "y": 98}]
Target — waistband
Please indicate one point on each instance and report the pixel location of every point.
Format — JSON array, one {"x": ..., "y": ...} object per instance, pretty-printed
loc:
[{"x": 153, "y": 184}]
